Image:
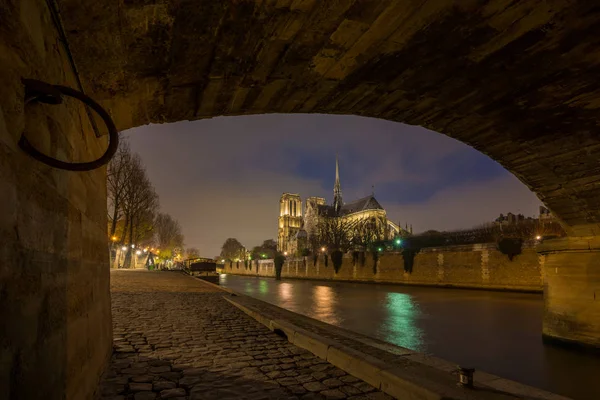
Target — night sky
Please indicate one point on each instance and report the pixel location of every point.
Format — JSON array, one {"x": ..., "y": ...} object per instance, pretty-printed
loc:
[{"x": 223, "y": 177}]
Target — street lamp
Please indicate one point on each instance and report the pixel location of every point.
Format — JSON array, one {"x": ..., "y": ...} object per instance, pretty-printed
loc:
[
  {"x": 124, "y": 248},
  {"x": 145, "y": 250},
  {"x": 323, "y": 249},
  {"x": 133, "y": 246},
  {"x": 285, "y": 253},
  {"x": 114, "y": 238},
  {"x": 138, "y": 252},
  {"x": 538, "y": 237}
]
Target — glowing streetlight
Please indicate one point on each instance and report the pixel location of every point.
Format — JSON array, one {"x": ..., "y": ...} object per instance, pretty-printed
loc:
[
  {"x": 223, "y": 261},
  {"x": 133, "y": 246},
  {"x": 285, "y": 253},
  {"x": 138, "y": 252},
  {"x": 538, "y": 237},
  {"x": 145, "y": 250},
  {"x": 323, "y": 249},
  {"x": 114, "y": 238},
  {"x": 124, "y": 248}
]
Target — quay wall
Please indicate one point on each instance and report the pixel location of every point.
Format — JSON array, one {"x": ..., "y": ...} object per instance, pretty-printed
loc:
[{"x": 480, "y": 266}]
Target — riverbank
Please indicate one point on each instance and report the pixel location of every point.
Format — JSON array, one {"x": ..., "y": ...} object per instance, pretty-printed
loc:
[
  {"x": 480, "y": 266},
  {"x": 497, "y": 332},
  {"x": 398, "y": 371}
]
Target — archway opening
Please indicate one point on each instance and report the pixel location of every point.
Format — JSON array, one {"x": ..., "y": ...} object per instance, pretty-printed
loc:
[{"x": 229, "y": 173}]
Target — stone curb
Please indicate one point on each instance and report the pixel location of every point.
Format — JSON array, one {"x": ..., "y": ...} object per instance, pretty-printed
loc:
[
  {"x": 356, "y": 363},
  {"x": 211, "y": 284},
  {"x": 392, "y": 379}
]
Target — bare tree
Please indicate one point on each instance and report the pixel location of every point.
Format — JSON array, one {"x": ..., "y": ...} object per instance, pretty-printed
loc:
[
  {"x": 366, "y": 232},
  {"x": 168, "y": 235},
  {"x": 132, "y": 201},
  {"x": 232, "y": 249},
  {"x": 529, "y": 229},
  {"x": 140, "y": 202},
  {"x": 334, "y": 233},
  {"x": 117, "y": 176},
  {"x": 192, "y": 252}
]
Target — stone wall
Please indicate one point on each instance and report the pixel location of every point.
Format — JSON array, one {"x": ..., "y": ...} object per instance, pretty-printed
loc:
[
  {"x": 572, "y": 291},
  {"x": 479, "y": 266},
  {"x": 55, "y": 336}
]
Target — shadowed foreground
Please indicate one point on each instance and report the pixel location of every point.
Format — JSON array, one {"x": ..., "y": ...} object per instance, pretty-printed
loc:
[{"x": 176, "y": 337}]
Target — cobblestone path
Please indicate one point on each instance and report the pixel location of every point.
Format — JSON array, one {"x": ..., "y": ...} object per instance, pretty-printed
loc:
[{"x": 177, "y": 338}]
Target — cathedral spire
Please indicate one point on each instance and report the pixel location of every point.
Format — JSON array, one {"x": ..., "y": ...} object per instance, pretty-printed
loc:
[{"x": 337, "y": 189}]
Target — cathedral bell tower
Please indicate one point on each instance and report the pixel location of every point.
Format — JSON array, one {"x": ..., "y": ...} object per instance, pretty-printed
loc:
[
  {"x": 337, "y": 189},
  {"x": 290, "y": 220}
]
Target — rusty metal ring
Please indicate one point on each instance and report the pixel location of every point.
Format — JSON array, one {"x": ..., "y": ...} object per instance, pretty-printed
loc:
[{"x": 51, "y": 94}]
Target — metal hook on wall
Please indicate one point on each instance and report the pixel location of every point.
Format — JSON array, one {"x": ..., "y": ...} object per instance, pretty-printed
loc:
[{"x": 38, "y": 91}]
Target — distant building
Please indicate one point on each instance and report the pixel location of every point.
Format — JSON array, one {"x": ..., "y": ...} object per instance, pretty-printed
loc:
[
  {"x": 511, "y": 219},
  {"x": 295, "y": 229}
]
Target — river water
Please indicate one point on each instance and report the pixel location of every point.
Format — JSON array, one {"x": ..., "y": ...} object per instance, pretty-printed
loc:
[{"x": 496, "y": 332}]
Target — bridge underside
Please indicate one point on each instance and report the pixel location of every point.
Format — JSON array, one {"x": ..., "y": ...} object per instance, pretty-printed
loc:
[{"x": 515, "y": 79}]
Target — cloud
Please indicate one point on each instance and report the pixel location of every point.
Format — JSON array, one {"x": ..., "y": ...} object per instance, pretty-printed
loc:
[{"x": 467, "y": 205}]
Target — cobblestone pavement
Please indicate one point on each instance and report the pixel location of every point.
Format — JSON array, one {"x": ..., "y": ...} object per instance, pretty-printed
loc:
[{"x": 177, "y": 338}]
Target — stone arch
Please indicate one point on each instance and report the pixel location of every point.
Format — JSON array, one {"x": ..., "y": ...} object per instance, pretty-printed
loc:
[
  {"x": 515, "y": 80},
  {"x": 524, "y": 95}
]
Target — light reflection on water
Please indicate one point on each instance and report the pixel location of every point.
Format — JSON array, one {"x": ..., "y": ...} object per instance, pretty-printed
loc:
[
  {"x": 263, "y": 287},
  {"x": 285, "y": 291},
  {"x": 248, "y": 287},
  {"x": 496, "y": 332},
  {"x": 324, "y": 305},
  {"x": 400, "y": 326}
]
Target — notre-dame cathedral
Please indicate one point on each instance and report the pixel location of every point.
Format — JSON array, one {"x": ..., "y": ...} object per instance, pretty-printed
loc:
[{"x": 295, "y": 229}]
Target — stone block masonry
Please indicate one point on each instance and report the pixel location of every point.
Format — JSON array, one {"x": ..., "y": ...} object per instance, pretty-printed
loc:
[
  {"x": 479, "y": 266},
  {"x": 55, "y": 338},
  {"x": 177, "y": 337}
]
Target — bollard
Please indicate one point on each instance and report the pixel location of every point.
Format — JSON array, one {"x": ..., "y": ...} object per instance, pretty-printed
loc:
[{"x": 465, "y": 376}]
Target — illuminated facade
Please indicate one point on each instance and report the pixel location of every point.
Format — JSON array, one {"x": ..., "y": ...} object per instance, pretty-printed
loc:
[
  {"x": 295, "y": 229},
  {"x": 290, "y": 220}
]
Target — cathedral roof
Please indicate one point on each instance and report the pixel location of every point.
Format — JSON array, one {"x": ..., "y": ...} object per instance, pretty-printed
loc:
[{"x": 366, "y": 203}]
